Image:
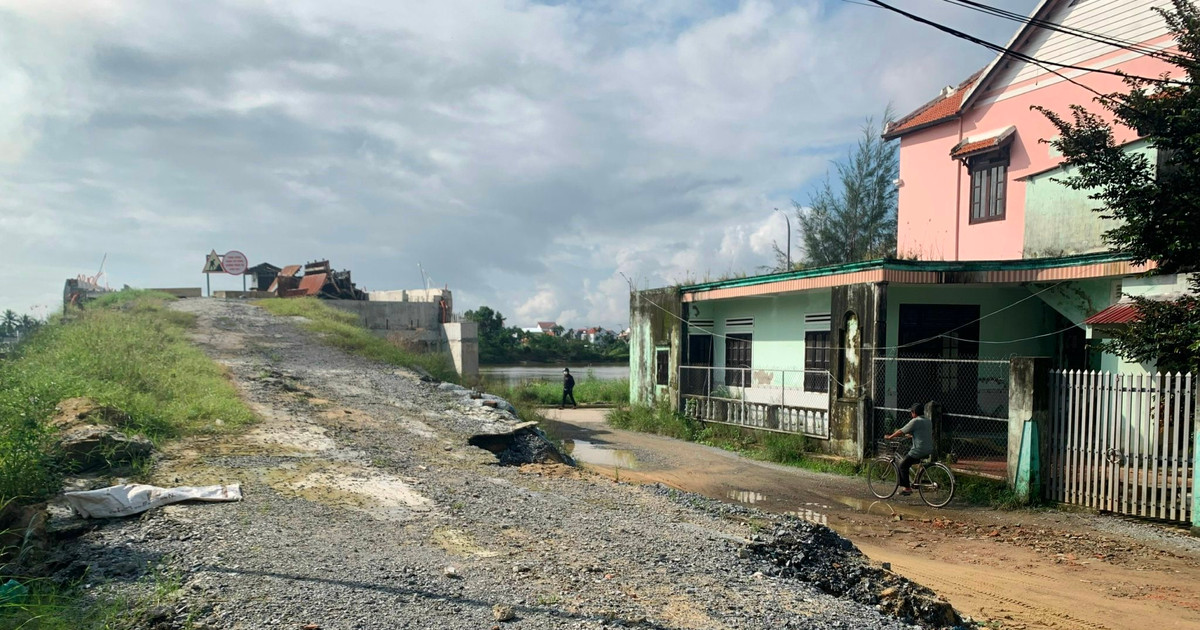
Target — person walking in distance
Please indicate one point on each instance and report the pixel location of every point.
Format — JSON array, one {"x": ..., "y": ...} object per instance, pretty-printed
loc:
[
  {"x": 568, "y": 389},
  {"x": 920, "y": 429}
]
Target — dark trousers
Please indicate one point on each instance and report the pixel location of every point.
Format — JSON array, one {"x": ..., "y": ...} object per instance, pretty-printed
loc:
[
  {"x": 568, "y": 394},
  {"x": 909, "y": 460}
]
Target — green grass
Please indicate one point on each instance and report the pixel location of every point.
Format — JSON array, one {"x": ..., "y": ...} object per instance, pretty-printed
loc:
[
  {"x": 53, "y": 607},
  {"x": 126, "y": 351},
  {"x": 587, "y": 391},
  {"x": 341, "y": 330},
  {"x": 987, "y": 492}
]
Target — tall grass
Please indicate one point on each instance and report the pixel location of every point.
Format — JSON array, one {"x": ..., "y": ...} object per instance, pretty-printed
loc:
[
  {"x": 587, "y": 391},
  {"x": 126, "y": 351},
  {"x": 341, "y": 330}
]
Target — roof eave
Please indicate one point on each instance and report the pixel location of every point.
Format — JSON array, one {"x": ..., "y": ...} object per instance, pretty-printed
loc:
[
  {"x": 1043, "y": 8},
  {"x": 915, "y": 128},
  {"x": 911, "y": 265}
]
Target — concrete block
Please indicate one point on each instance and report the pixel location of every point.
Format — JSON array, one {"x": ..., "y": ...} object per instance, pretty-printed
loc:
[{"x": 187, "y": 292}]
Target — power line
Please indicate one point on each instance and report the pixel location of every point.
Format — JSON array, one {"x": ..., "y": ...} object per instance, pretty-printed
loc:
[
  {"x": 910, "y": 344},
  {"x": 1015, "y": 54},
  {"x": 1067, "y": 30}
]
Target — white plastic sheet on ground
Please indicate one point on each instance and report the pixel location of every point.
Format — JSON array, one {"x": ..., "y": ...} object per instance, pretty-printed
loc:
[{"x": 124, "y": 500}]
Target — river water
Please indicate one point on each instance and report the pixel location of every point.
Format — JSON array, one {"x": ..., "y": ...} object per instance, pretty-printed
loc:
[{"x": 515, "y": 374}]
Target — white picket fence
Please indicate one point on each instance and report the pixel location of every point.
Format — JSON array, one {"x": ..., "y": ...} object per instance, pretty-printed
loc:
[{"x": 1122, "y": 442}]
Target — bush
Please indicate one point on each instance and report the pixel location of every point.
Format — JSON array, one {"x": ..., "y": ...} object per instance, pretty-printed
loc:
[
  {"x": 126, "y": 351},
  {"x": 659, "y": 419},
  {"x": 341, "y": 330}
]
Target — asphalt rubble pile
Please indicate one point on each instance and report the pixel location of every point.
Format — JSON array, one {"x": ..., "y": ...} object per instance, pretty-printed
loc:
[
  {"x": 817, "y": 555},
  {"x": 502, "y": 432}
]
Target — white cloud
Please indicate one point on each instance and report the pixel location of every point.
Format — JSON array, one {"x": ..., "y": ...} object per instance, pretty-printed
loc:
[{"x": 524, "y": 154}]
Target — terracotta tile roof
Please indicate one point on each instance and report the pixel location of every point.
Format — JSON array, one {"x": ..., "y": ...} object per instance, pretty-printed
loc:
[
  {"x": 939, "y": 109},
  {"x": 982, "y": 142},
  {"x": 1122, "y": 313}
]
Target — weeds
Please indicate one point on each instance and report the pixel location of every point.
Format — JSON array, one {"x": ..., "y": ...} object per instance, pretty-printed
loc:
[
  {"x": 52, "y": 607},
  {"x": 587, "y": 391},
  {"x": 990, "y": 492},
  {"x": 125, "y": 351},
  {"x": 341, "y": 330}
]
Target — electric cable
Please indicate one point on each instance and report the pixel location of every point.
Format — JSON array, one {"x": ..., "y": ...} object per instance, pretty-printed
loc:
[
  {"x": 1005, "y": 51},
  {"x": 1067, "y": 30},
  {"x": 912, "y": 343}
]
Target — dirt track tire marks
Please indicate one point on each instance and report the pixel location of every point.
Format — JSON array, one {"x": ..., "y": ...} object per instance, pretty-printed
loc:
[{"x": 946, "y": 588}]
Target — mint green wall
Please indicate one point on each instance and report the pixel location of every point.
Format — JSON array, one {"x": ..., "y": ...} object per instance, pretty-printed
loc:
[
  {"x": 1079, "y": 299},
  {"x": 1029, "y": 318},
  {"x": 1060, "y": 221},
  {"x": 778, "y": 326}
]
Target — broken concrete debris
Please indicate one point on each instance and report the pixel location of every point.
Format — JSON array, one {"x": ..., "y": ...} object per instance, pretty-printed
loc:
[
  {"x": 88, "y": 437},
  {"x": 512, "y": 441},
  {"x": 503, "y": 612}
]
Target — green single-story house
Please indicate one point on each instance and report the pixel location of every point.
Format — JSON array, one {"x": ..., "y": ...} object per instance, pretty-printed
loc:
[{"x": 839, "y": 353}]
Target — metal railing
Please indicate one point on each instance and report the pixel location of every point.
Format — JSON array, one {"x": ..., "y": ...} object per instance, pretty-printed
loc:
[{"x": 786, "y": 401}]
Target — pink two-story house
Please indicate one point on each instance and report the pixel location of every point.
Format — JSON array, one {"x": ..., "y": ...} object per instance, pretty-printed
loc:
[{"x": 975, "y": 168}]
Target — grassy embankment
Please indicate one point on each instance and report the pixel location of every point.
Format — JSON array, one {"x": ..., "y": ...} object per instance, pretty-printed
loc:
[
  {"x": 341, "y": 330},
  {"x": 128, "y": 351},
  {"x": 782, "y": 448}
]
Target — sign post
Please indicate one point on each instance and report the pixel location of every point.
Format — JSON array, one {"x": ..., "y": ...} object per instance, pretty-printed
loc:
[
  {"x": 232, "y": 262},
  {"x": 235, "y": 264},
  {"x": 212, "y": 264}
]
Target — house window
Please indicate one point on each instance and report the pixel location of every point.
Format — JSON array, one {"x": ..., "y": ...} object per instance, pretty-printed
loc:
[
  {"x": 737, "y": 359},
  {"x": 989, "y": 181},
  {"x": 662, "y": 364},
  {"x": 816, "y": 361}
]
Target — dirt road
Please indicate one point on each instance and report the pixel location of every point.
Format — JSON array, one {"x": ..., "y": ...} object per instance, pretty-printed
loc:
[
  {"x": 366, "y": 508},
  {"x": 1022, "y": 569}
]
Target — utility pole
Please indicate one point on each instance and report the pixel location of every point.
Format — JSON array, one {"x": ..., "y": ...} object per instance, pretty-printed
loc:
[{"x": 789, "y": 237}]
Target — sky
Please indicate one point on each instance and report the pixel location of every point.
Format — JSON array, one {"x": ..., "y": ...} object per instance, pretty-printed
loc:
[{"x": 538, "y": 158}]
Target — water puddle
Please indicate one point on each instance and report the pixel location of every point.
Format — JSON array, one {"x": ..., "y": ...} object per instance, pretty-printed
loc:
[
  {"x": 592, "y": 453},
  {"x": 758, "y": 499}
]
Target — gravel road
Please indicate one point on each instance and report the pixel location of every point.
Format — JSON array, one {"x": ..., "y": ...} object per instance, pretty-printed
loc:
[{"x": 365, "y": 508}]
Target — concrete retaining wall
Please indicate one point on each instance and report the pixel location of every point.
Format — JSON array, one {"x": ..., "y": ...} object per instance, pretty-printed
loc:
[
  {"x": 187, "y": 292},
  {"x": 416, "y": 326}
]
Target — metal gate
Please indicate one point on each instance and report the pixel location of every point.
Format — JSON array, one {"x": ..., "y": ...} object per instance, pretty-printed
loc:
[
  {"x": 1122, "y": 443},
  {"x": 973, "y": 429}
]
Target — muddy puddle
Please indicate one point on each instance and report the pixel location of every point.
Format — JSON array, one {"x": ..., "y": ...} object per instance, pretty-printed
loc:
[{"x": 588, "y": 452}]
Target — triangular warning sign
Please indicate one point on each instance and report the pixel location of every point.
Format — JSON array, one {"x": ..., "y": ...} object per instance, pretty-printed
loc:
[{"x": 212, "y": 264}]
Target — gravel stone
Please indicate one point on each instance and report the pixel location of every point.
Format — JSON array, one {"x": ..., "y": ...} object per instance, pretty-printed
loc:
[{"x": 349, "y": 519}]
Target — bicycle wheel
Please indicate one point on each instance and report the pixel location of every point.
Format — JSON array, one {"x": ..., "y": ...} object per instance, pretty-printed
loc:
[
  {"x": 936, "y": 485},
  {"x": 883, "y": 478}
]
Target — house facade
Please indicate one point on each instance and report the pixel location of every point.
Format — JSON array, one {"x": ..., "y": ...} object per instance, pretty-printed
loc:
[
  {"x": 1002, "y": 268},
  {"x": 977, "y": 177}
]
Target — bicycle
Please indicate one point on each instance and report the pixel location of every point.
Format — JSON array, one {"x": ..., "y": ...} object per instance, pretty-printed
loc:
[{"x": 934, "y": 480}]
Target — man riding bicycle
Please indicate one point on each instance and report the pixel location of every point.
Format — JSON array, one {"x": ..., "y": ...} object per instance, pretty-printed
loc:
[{"x": 920, "y": 429}]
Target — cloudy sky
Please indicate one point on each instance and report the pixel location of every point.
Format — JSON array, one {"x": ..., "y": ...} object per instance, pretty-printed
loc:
[{"x": 526, "y": 154}]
